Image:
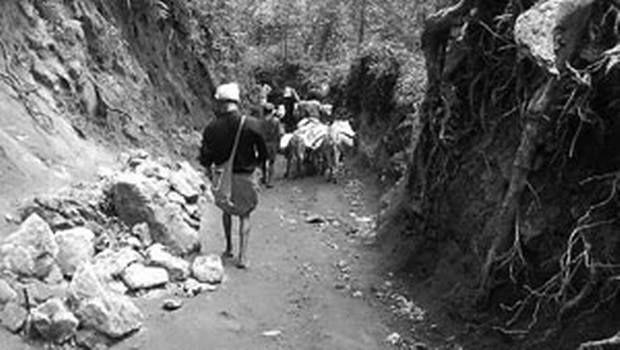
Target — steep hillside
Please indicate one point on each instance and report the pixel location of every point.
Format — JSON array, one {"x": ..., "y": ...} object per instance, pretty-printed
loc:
[{"x": 80, "y": 80}]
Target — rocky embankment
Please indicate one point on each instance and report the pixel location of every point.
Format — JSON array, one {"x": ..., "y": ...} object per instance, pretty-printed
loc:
[
  {"x": 80, "y": 256},
  {"x": 81, "y": 81}
]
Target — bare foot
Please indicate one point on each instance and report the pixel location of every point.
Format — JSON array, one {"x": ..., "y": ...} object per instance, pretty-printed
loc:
[{"x": 242, "y": 263}]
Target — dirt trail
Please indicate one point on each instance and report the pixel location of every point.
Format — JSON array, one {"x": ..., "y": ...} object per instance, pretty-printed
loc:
[
  {"x": 294, "y": 284},
  {"x": 290, "y": 285}
]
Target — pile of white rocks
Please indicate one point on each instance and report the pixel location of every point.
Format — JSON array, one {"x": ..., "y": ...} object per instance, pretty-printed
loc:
[{"x": 69, "y": 272}]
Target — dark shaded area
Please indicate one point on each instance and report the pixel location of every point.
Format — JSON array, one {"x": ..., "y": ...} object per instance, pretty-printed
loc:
[{"x": 509, "y": 195}]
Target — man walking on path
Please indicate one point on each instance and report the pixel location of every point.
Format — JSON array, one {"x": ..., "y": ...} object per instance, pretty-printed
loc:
[
  {"x": 217, "y": 146},
  {"x": 272, "y": 131},
  {"x": 289, "y": 100}
]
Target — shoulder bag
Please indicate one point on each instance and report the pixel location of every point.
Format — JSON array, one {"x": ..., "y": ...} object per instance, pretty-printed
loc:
[{"x": 222, "y": 187}]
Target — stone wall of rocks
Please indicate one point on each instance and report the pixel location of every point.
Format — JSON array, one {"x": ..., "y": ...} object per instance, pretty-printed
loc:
[{"x": 69, "y": 272}]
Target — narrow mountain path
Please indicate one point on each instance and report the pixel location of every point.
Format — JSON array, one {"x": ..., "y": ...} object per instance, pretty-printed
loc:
[{"x": 308, "y": 285}]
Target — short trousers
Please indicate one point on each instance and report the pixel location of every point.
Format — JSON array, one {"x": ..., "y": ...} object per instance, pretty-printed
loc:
[{"x": 244, "y": 193}]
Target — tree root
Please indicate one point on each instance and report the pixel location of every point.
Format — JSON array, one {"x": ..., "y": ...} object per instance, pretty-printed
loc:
[
  {"x": 498, "y": 228},
  {"x": 557, "y": 289},
  {"x": 494, "y": 84},
  {"x": 600, "y": 344},
  {"x": 434, "y": 42}
]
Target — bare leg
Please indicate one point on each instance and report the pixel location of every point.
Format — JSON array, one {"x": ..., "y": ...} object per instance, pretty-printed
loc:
[
  {"x": 269, "y": 171},
  {"x": 298, "y": 161},
  {"x": 264, "y": 170},
  {"x": 272, "y": 169},
  {"x": 244, "y": 233},
  {"x": 227, "y": 222},
  {"x": 288, "y": 166}
]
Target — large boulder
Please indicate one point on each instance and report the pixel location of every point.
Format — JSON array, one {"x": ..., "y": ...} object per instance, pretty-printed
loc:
[
  {"x": 31, "y": 250},
  {"x": 111, "y": 263},
  {"x": 172, "y": 229},
  {"x": 68, "y": 207},
  {"x": 54, "y": 321},
  {"x": 150, "y": 168},
  {"x": 55, "y": 276},
  {"x": 191, "y": 287},
  {"x": 182, "y": 186},
  {"x": 86, "y": 284},
  {"x": 208, "y": 269},
  {"x": 92, "y": 340},
  {"x": 99, "y": 308},
  {"x": 179, "y": 269},
  {"x": 138, "y": 276},
  {"x": 138, "y": 199},
  {"x": 40, "y": 292},
  {"x": 13, "y": 316},
  {"x": 115, "y": 316},
  {"x": 132, "y": 194},
  {"x": 7, "y": 293},
  {"x": 143, "y": 233},
  {"x": 550, "y": 31},
  {"x": 187, "y": 181},
  {"x": 134, "y": 158},
  {"x": 175, "y": 197},
  {"x": 193, "y": 210},
  {"x": 75, "y": 247}
]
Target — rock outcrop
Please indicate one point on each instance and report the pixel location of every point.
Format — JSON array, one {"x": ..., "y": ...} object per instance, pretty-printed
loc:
[
  {"x": 550, "y": 31},
  {"x": 125, "y": 235},
  {"x": 76, "y": 246},
  {"x": 138, "y": 276},
  {"x": 54, "y": 321},
  {"x": 179, "y": 269},
  {"x": 101, "y": 309},
  {"x": 164, "y": 204},
  {"x": 31, "y": 250},
  {"x": 208, "y": 269}
]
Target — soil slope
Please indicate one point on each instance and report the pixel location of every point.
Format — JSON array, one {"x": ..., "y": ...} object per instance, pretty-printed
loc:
[{"x": 81, "y": 80}]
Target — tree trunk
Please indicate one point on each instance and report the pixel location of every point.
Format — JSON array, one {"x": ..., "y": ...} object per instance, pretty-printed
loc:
[
  {"x": 326, "y": 34},
  {"x": 285, "y": 43},
  {"x": 362, "y": 26},
  {"x": 434, "y": 42}
]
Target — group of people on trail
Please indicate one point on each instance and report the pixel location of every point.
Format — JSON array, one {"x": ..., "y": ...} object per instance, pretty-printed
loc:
[{"x": 235, "y": 145}]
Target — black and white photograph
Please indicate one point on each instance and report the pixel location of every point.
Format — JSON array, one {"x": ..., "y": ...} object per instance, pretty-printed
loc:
[{"x": 309, "y": 174}]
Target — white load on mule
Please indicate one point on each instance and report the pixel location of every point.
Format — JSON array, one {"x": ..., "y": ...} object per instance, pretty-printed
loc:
[
  {"x": 320, "y": 144},
  {"x": 311, "y": 131},
  {"x": 342, "y": 133}
]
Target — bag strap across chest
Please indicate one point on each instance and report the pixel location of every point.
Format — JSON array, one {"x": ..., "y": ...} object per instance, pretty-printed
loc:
[{"x": 236, "y": 143}]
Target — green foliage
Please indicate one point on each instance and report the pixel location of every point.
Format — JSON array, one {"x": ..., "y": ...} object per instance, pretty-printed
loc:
[
  {"x": 304, "y": 74},
  {"x": 159, "y": 10},
  {"x": 372, "y": 79},
  {"x": 308, "y": 44},
  {"x": 412, "y": 81}
]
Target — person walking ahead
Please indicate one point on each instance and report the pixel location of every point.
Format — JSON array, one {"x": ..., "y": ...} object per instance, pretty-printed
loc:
[
  {"x": 272, "y": 132},
  {"x": 290, "y": 99},
  {"x": 217, "y": 146}
]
